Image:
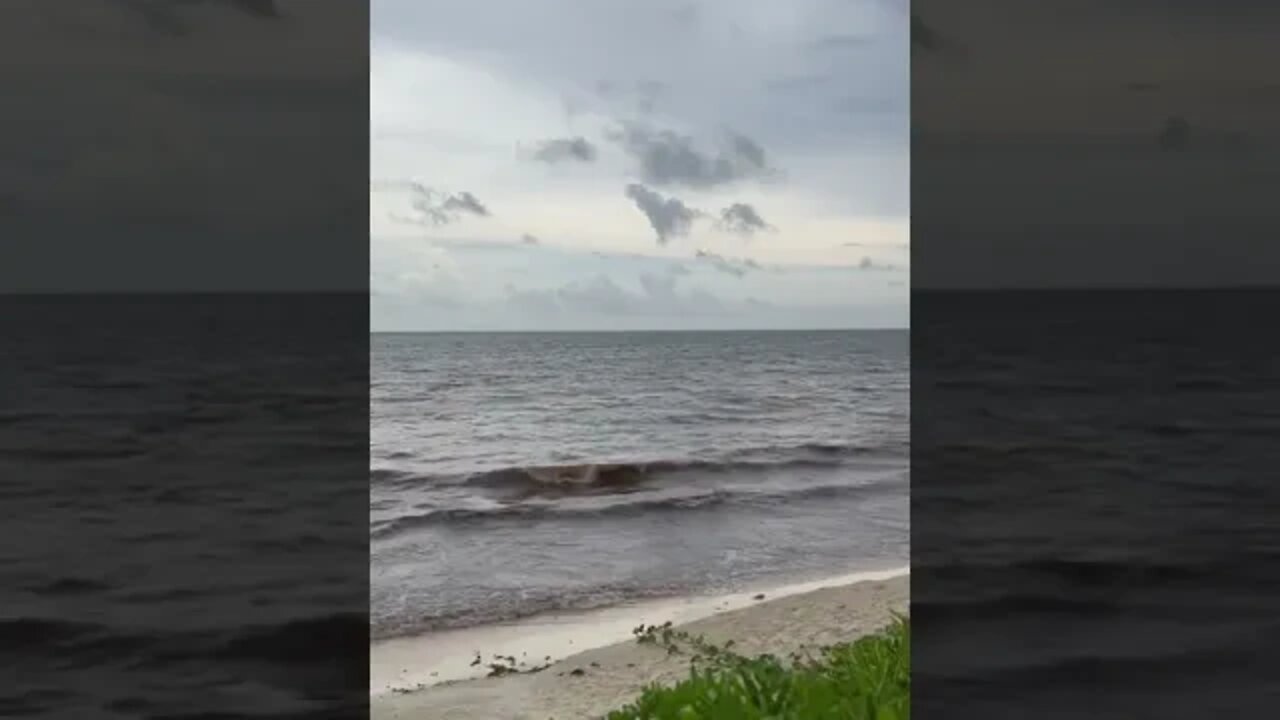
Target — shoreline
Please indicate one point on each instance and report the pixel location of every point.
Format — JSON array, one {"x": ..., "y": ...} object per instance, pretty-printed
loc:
[{"x": 432, "y": 675}]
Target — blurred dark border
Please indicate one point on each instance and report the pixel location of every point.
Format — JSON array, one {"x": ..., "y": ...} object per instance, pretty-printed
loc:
[
  {"x": 184, "y": 365},
  {"x": 1095, "y": 387}
]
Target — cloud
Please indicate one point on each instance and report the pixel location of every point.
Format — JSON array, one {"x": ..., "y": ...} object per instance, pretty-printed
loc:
[
  {"x": 926, "y": 38},
  {"x": 721, "y": 263},
  {"x": 168, "y": 17},
  {"x": 667, "y": 158},
  {"x": 577, "y": 149},
  {"x": 528, "y": 239},
  {"x": 668, "y": 216},
  {"x": 658, "y": 295},
  {"x": 742, "y": 219},
  {"x": 435, "y": 207},
  {"x": 1177, "y": 133},
  {"x": 464, "y": 202},
  {"x": 867, "y": 264}
]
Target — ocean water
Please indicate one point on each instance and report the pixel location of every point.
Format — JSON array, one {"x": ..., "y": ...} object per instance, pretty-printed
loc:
[
  {"x": 515, "y": 474},
  {"x": 183, "y": 486},
  {"x": 1094, "y": 528}
]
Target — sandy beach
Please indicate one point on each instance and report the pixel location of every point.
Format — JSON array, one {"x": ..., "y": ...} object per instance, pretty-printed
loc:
[{"x": 596, "y": 666}]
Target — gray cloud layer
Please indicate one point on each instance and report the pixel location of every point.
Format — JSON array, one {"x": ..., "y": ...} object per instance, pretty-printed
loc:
[
  {"x": 668, "y": 216},
  {"x": 667, "y": 158},
  {"x": 659, "y": 295}
]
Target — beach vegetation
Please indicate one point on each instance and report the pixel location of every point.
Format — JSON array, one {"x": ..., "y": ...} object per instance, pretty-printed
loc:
[{"x": 866, "y": 679}]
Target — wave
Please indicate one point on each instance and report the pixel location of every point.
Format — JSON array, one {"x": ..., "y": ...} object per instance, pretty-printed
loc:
[
  {"x": 20, "y": 632},
  {"x": 628, "y": 508},
  {"x": 313, "y": 639},
  {"x": 533, "y": 479},
  {"x": 1006, "y": 606},
  {"x": 1138, "y": 665},
  {"x": 1075, "y": 572}
]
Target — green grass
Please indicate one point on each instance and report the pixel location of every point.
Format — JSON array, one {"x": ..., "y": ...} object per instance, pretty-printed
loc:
[{"x": 867, "y": 679}]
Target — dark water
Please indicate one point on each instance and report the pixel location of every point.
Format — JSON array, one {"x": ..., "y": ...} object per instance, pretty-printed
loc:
[
  {"x": 520, "y": 473},
  {"x": 182, "y": 481},
  {"x": 1094, "y": 527}
]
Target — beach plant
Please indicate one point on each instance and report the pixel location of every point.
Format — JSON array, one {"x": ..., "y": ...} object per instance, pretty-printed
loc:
[{"x": 867, "y": 679}]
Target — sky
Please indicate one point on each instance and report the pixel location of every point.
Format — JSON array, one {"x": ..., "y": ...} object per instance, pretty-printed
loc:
[
  {"x": 607, "y": 164},
  {"x": 183, "y": 145},
  {"x": 1039, "y": 164}
]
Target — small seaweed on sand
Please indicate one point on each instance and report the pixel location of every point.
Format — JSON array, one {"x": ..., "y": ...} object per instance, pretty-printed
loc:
[{"x": 507, "y": 665}]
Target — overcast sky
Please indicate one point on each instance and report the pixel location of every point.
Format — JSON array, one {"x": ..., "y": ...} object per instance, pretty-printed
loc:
[
  {"x": 1084, "y": 143},
  {"x": 612, "y": 164},
  {"x": 186, "y": 146}
]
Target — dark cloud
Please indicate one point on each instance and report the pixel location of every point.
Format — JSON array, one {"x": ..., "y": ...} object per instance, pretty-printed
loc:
[
  {"x": 577, "y": 149},
  {"x": 434, "y": 207},
  {"x": 667, "y": 158},
  {"x": 171, "y": 17},
  {"x": 668, "y": 216},
  {"x": 925, "y": 37},
  {"x": 464, "y": 202},
  {"x": 744, "y": 148},
  {"x": 528, "y": 239},
  {"x": 742, "y": 219}
]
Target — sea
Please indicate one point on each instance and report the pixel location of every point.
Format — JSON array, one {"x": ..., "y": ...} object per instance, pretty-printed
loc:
[
  {"x": 1094, "y": 528},
  {"x": 519, "y": 474},
  {"x": 182, "y": 478}
]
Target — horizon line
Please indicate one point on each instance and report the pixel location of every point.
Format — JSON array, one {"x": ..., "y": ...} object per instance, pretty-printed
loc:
[{"x": 565, "y": 331}]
